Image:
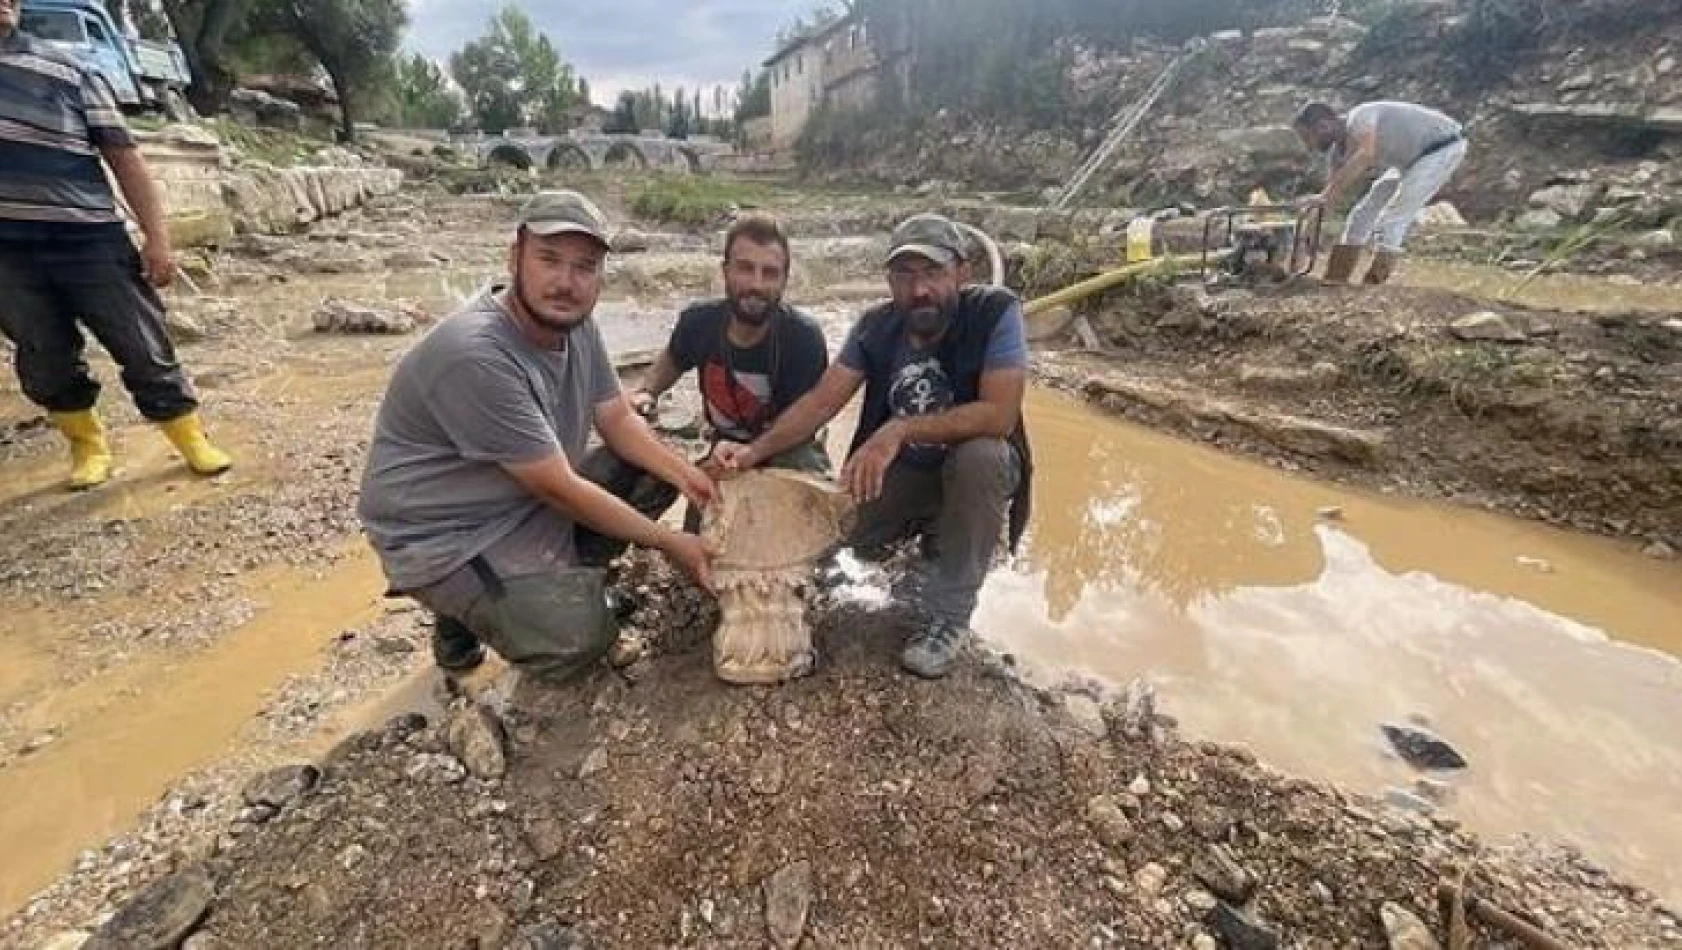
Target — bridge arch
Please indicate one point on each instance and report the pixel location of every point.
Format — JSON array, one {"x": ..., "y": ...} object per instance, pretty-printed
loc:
[
  {"x": 624, "y": 154},
  {"x": 691, "y": 159},
  {"x": 511, "y": 155},
  {"x": 569, "y": 157}
]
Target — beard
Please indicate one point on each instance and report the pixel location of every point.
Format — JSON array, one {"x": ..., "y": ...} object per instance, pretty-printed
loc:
[
  {"x": 545, "y": 319},
  {"x": 752, "y": 309},
  {"x": 930, "y": 321}
]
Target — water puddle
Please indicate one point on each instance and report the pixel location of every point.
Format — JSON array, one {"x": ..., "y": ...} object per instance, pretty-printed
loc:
[
  {"x": 1547, "y": 658},
  {"x": 1548, "y": 291},
  {"x": 124, "y": 734}
]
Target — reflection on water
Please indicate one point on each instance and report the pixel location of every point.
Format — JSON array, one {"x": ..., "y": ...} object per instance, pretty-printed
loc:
[{"x": 1266, "y": 625}]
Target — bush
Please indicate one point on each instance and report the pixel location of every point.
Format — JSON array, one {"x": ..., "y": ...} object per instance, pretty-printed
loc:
[{"x": 694, "y": 200}]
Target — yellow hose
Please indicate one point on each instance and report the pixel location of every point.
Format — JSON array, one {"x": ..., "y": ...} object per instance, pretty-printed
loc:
[{"x": 1108, "y": 279}]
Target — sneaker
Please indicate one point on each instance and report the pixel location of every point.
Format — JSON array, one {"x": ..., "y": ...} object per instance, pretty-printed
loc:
[
  {"x": 932, "y": 650},
  {"x": 454, "y": 647}
]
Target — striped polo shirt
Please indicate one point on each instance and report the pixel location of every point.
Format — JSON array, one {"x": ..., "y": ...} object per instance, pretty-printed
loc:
[{"x": 54, "y": 118}]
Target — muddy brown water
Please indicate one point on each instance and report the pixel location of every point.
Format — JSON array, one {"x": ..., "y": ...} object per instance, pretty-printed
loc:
[{"x": 1547, "y": 658}]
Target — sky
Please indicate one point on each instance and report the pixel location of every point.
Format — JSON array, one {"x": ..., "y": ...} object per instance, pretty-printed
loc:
[{"x": 627, "y": 44}]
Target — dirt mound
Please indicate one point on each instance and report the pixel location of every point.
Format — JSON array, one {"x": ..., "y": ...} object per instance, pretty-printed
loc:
[
  {"x": 658, "y": 807},
  {"x": 1564, "y": 417}
]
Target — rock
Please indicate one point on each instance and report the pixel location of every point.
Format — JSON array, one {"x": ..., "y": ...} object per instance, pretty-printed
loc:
[
  {"x": 1108, "y": 822},
  {"x": 1434, "y": 790},
  {"x": 1204, "y": 942},
  {"x": 159, "y": 917},
  {"x": 341, "y": 316},
  {"x": 625, "y": 651},
  {"x": 548, "y": 935},
  {"x": 393, "y": 646},
  {"x": 788, "y": 899},
  {"x": 476, "y": 736},
  {"x": 1221, "y": 873},
  {"x": 182, "y": 327},
  {"x": 1486, "y": 326},
  {"x": 594, "y": 763},
  {"x": 1199, "y": 900},
  {"x": 1657, "y": 240},
  {"x": 351, "y": 855},
  {"x": 1227, "y": 37},
  {"x": 255, "y": 107},
  {"x": 413, "y": 259},
  {"x": 1330, "y": 513},
  {"x": 1174, "y": 823},
  {"x": 1422, "y": 748},
  {"x": 1405, "y": 930},
  {"x": 1404, "y": 800},
  {"x": 204, "y": 941},
  {"x": 767, "y": 776},
  {"x": 1659, "y": 550},
  {"x": 546, "y": 837},
  {"x": 1150, "y": 878},
  {"x": 68, "y": 940},
  {"x": 630, "y": 241},
  {"x": 1138, "y": 709},
  {"x": 435, "y": 768},
  {"x": 1241, "y": 931},
  {"x": 1571, "y": 202},
  {"x": 1538, "y": 219},
  {"x": 1140, "y": 786},
  {"x": 1442, "y": 216},
  {"x": 1087, "y": 714},
  {"x": 279, "y": 787},
  {"x": 37, "y": 743},
  {"x": 1260, "y": 142},
  {"x": 1577, "y": 82}
]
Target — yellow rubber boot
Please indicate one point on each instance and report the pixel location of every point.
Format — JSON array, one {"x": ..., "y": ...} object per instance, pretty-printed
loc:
[
  {"x": 90, "y": 454},
  {"x": 187, "y": 435}
]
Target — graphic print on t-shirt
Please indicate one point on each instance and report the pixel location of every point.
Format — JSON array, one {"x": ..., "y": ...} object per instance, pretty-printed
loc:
[
  {"x": 920, "y": 388},
  {"x": 738, "y": 404}
]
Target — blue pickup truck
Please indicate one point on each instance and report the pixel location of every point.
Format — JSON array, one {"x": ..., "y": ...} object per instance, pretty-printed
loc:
[{"x": 143, "y": 75}]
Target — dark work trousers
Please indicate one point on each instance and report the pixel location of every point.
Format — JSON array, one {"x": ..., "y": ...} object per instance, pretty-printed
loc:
[
  {"x": 50, "y": 291},
  {"x": 538, "y": 597}
]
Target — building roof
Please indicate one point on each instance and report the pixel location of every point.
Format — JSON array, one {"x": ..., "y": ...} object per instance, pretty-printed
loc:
[{"x": 811, "y": 37}]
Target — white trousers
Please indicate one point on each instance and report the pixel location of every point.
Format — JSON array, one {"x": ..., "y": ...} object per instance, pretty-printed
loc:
[{"x": 1385, "y": 216}]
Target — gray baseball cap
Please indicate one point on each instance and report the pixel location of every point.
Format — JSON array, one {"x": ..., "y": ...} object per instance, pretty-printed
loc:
[
  {"x": 930, "y": 236},
  {"x": 563, "y": 212}
]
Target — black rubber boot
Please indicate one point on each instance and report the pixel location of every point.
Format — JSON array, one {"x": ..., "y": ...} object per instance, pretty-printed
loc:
[{"x": 454, "y": 647}]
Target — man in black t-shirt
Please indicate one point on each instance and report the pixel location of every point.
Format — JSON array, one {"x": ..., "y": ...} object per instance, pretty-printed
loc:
[{"x": 754, "y": 355}]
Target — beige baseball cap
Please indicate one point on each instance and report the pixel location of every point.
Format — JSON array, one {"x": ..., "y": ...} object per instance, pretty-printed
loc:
[{"x": 564, "y": 212}]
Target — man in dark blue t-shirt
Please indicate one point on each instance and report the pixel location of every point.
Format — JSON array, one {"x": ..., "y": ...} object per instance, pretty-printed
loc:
[
  {"x": 940, "y": 447},
  {"x": 754, "y": 355}
]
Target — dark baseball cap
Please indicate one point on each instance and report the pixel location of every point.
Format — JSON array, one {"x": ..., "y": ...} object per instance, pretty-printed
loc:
[
  {"x": 930, "y": 236},
  {"x": 564, "y": 212}
]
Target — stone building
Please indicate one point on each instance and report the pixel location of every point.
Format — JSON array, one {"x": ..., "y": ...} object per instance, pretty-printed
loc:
[{"x": 831, "y": 65}]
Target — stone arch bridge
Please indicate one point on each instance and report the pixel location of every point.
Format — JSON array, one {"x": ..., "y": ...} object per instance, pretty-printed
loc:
[{"x": 597, "y": 151}]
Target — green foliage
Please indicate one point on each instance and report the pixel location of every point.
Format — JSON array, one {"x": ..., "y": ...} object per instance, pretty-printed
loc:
[
  {"x": 422, "y": 97},
  {"x": 513, "y": 76},
  {"x": 353, "y": 40},
  {"x": 696, "y": 200},
  {"x": 753, "y": 97}
]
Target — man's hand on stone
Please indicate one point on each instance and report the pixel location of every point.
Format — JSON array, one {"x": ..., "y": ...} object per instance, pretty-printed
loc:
[
  {"x": 733, "y": 458},
  {"x": 690, "y": 555},
  {"x": 642, "y": 402},
  {"x": 867, "y": 470},
  {"x": 697, "y": 486}
]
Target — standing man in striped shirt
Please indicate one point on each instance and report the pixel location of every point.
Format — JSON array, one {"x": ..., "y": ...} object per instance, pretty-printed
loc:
[{"x": 66, "y": 261}]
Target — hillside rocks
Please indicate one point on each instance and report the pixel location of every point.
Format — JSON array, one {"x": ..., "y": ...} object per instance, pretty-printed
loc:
[{"x": 269, "y": 200}]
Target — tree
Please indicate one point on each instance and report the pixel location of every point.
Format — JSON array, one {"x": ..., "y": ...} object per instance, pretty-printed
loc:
[
  {"x": 423, "y": 97},
  {"x": 753, "y": 99},
  {"x": 513, "y": 75},
  {"x": 624, "y": 118},
  {"x": 353, "y": 40},
  {"x": 202, "y": 27}
]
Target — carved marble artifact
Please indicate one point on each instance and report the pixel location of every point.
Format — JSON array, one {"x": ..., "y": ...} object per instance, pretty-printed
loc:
[{"x": 767, "y": 531}]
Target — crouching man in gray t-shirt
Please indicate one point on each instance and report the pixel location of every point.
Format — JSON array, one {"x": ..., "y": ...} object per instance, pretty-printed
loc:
[{"x": 479, "y": 495}]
